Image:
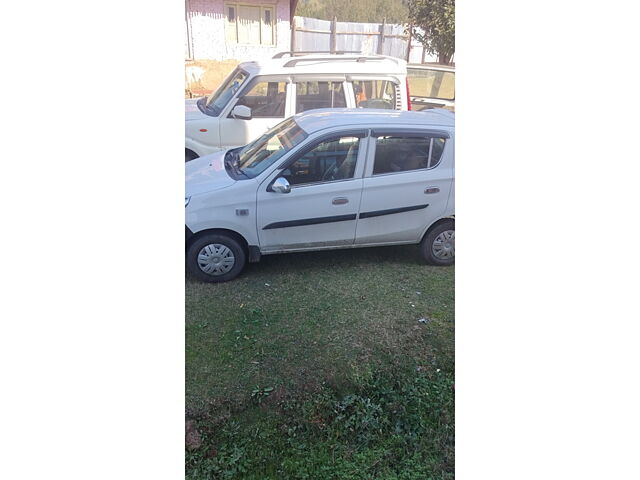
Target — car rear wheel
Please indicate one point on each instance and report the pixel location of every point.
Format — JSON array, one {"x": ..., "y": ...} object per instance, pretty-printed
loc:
[
  {"x": 215, "y": 258},
  {"x": 438, "y": 246}
]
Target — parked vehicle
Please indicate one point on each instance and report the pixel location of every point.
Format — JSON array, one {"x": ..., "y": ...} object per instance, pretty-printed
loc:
[
  {"x": 431, "y": 86},
  {"x": 324, "y": 179},
  {"x": 258, "y": 95}
]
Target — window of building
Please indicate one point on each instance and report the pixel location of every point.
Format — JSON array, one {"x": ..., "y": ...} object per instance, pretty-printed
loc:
[
  {"x": 400, "y": 153},
  {"x": 249, "y": 24}
]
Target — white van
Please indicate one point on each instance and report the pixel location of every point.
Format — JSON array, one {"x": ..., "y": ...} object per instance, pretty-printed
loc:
[
  {"x": 258, "y": 95},
  {"x": 324, "y": 179}
]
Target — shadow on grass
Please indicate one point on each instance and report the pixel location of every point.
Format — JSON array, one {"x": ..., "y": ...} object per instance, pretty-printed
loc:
[{"x": 308, "y": 262}]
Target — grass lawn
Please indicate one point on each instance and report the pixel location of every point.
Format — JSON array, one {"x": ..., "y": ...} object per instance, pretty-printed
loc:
[{"x": 315, "y": 365}]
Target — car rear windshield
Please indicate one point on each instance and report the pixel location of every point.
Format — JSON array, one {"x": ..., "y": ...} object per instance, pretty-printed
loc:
[
  {"x": 431, "y": 83},
  {"x": 260, "y": 154}
]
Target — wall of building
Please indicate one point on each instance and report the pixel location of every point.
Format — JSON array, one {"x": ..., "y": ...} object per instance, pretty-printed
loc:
[{"x": 205, "y": 27}]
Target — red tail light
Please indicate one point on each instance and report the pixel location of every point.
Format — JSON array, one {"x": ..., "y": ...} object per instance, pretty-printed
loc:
[{"x": 408, "y": 97}]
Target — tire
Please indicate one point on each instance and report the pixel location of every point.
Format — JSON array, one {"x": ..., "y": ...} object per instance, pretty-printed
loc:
[
  {"x": 438, "y": 246},
  {"x": 189, "y": 155},
  {"x": 218, "y": 248}
]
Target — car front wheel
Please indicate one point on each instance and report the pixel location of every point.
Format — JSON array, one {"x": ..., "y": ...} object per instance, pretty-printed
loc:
[
  {"x": 215, "y": 258},
  {"x": 438, "y": 246}
]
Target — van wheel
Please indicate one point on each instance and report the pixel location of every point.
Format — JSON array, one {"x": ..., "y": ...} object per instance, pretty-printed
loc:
[
  {"x": 189, "y": 155},
  {"x": 215, "y": 258},
  {"x": 438, "y": 246}
]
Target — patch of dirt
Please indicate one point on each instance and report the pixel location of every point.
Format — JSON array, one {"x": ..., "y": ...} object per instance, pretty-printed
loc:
[{"x": 193, "y": 440}]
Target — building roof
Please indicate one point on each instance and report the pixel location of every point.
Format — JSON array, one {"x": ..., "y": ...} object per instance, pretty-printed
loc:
[{"x": 315, "y": 120}]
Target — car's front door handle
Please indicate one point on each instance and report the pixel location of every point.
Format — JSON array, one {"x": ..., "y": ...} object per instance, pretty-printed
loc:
[
  {"x": 429, "y": 190},
  {"x": 340, "y": 200}
]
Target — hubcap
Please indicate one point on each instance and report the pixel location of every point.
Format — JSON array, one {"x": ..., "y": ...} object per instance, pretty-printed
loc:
[
  {"x": 444, "y": 245},
  {"x": 216, "y": 259}
]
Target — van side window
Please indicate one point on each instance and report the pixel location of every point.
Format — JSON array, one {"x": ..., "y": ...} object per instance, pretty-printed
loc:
[
  {"x": 265, "y": 99},
  {"x": 375, "y": 94},
  {"x": 328, "y": 161},
  {"x": 311, "y": 95},
  {"x": 398, "y": 153}
]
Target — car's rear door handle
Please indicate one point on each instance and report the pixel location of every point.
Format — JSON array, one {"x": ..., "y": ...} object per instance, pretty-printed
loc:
[
  {"x": 429, "y": 190},
  {"x": 340, "y": 200}
]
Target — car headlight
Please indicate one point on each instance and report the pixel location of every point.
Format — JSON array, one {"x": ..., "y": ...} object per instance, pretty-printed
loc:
[{"x": 186, "y": 201}]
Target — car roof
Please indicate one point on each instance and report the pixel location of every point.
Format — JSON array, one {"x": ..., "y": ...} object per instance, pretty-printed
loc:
[
  {"x": 315, "y": 120},
  {"x": 327, "y": 64}
]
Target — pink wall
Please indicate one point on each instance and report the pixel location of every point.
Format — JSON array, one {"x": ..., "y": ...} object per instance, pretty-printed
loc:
[{"x": 205, "y": 22}]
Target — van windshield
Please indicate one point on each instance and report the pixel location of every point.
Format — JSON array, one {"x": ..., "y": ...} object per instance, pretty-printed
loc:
[
  {"x": 214, "y": 103},
  {"x": 260, "y": 154}
]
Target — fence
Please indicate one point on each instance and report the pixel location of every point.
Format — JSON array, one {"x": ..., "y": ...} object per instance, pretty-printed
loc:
[{"x": 312, "y": 34}]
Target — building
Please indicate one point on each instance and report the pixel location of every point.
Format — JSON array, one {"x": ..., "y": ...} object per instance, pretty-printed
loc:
[{"x": 237, "y": 30}]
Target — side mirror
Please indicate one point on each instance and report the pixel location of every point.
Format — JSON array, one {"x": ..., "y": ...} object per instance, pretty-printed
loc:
[
  {"x": 280, "y": 185},
  {"x": 241, "y": 112}
]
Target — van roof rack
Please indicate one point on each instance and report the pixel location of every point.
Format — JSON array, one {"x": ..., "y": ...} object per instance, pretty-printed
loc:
[
  {"x": 362, "y": 59},
  {"x": 309, "y": 52}
]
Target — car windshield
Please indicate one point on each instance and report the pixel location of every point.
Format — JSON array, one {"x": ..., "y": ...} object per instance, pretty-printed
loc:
[
  {"x": 214, "y": 103},
  {"x": 257, "y": 156}
]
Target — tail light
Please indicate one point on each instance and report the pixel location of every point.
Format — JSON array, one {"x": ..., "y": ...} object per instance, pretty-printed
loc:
[{"x": 408, "y": 97}]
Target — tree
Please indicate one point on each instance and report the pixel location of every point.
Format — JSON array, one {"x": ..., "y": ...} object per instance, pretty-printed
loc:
[
  {"x": 437, "y": 19},
  {"x": 368, "y": 11}
]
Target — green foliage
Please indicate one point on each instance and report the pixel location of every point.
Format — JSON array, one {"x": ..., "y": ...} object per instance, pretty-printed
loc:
[
  {"x": 259, "y": 393},
  {"x": 398, "y": 424},
  {"x": 437, "y": 19},
  {"x": 367, "y": 11}
]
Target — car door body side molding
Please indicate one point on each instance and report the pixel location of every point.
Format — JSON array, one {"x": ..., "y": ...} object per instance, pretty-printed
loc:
[
  {"x": 391, "y": 211},
  {"x": 310, "y": 221},
  {"x": 341, "y": 218}
]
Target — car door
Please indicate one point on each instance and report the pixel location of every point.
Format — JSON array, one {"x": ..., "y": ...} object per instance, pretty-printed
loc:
[
  {"x": 321, "y": 209},
  {"x": 406, "y": 185},
  {"x": 267, "y": 97}
]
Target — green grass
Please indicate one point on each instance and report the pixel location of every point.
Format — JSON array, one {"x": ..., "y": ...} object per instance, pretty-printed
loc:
[{"x": 315, "y": 366}]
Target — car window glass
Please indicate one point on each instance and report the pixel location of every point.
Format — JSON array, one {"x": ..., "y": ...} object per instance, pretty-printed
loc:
[
  {"x": 431, "y": 84},
  {"x": 374, "y": 94},
  {"x": 265, "y": 99},
  {"x": 397, "y": 153},
  {"x": 328, "y": 161},
  {"x": 312, "y": 95}
]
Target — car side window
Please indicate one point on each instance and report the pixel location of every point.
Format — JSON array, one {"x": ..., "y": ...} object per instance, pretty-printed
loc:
[
  {"x": 330, "y": 160},
  {"x": 401, "y": 153},
  {"x": 265, "y": 99},
  {"x": 375, "y": 94},
  {"x": 312, "y": 95}
]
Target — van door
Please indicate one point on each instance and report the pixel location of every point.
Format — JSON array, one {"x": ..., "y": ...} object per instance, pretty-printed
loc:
[
  {"x": 322, "y": 207},
  {"x": 267, "y": 99},
  {"x": 406, "y": 185}
]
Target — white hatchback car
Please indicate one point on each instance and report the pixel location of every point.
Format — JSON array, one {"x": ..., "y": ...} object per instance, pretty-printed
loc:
[
  {"x": 321, "y": 180},
  {"x": 258, "y": 95}
]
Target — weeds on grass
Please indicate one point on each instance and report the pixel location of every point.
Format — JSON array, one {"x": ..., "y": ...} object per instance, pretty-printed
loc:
[{"x": 392, "y": 425}]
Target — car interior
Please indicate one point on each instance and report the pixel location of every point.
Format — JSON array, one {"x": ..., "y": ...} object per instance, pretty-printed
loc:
[
  {"x": 266, "y": 100},
  {"x": 312, "y": 95},
  {"x": 329, "y": 161},
  {"x": 398, "y": 154}
]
